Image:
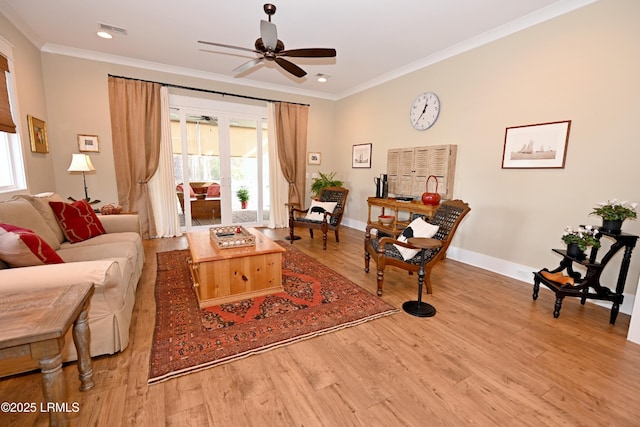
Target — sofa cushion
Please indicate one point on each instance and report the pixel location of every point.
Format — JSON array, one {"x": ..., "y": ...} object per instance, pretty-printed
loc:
[
  {"x": 22, "y": 213},
  {"x": 417, "y": 228},
  {"x": 78, "y": 220},
  {"x": 41, "y": 203},
  {"x": 20, "y": 247}
]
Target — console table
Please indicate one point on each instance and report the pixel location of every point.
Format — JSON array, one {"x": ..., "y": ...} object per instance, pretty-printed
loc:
[
  {"x": 412, "y": 207},
  {"x": 591, "y": 279}
]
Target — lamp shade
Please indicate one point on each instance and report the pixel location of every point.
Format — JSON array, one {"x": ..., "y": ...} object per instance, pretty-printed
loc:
[{"x": 81, "y": 163}]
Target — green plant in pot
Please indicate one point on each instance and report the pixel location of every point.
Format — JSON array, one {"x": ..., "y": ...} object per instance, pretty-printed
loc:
[
  {"x": 243, "y": 196},
  {"x": 613, "y": 213},
  {"x": 582, "y": 238},
  {"x": 324, "y": 180}
]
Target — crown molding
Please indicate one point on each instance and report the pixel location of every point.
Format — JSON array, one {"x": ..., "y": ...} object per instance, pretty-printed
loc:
[{"x": 155, "y": 66}]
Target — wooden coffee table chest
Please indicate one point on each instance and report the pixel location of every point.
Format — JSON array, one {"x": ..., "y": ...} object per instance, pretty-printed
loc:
[{"x": 227, "y": 275}]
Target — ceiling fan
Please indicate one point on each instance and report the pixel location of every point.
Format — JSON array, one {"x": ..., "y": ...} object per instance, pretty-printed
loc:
[{"x": 272, "y": 49}]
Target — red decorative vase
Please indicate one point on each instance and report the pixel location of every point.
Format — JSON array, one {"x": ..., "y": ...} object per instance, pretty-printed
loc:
[{"x": 431, "y": 199}]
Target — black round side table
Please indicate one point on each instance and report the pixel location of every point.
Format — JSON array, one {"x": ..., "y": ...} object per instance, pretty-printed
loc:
[{"x": 419, "y": 308}]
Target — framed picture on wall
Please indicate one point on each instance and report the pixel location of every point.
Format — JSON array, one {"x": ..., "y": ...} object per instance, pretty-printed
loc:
[
  {"x": 313, "y": 159},
  {"x": 536, "y": 146},
  {"x": 38, "y": 135},
  {"x": 88, "y": 144},
  {"x": 361, "y": 156}
]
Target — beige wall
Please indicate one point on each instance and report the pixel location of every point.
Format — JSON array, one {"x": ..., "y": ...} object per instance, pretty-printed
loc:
[
  {"x": 31, "y": 100},
  {"x": 582, "y": 66}
]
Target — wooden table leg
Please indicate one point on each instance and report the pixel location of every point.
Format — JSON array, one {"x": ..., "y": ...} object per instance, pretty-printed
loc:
[
  {"x": 81, "y": 338},
  {"x": 53, "y": 385}
]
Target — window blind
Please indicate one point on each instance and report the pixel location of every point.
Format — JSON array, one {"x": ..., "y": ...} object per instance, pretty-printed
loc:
[{"x": 6, "y": 121}]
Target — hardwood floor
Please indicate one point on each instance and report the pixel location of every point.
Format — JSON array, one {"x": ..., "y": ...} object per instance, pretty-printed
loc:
[{"x": 490, "y": 356}]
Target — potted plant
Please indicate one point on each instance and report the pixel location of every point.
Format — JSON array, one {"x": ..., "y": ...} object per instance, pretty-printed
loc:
[
  {"x": 613, "y": 213},
  {"x": 324, "y": 180},
  {"x": 578, "y": 240},
  {"x": 243, "y": 196}
]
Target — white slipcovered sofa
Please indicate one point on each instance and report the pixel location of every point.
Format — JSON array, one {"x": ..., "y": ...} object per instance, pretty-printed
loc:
[{"x": 112, "y": 262}]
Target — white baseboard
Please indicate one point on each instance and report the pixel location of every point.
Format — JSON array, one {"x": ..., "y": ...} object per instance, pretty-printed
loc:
[{"x": 522, "y": 273}]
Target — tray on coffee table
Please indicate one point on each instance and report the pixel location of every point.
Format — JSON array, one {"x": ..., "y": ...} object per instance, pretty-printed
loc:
[{"x": 232, "y": 236}]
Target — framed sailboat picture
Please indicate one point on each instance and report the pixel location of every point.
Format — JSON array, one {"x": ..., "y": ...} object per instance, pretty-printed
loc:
[
  {"x": 536, "y": 146},
  {"x": 361, "y": 156}
]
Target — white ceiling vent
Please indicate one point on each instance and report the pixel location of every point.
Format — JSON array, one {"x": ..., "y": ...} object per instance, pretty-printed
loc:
[{"x": 112, "y": 29}]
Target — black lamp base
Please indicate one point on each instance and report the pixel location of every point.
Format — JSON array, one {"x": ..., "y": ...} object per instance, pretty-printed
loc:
[{"x": 419, "y": 309}]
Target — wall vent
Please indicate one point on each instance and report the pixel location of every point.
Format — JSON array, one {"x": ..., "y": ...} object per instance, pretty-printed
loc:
[{"x": 112, "y": 29}]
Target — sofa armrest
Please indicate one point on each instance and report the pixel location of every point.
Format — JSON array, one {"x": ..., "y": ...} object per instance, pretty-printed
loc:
[
  {"x": 104, "y": 274},
  {"x": 120, "y": 223}
]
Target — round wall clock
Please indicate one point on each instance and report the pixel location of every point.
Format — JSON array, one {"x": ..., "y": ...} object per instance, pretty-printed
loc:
[{"x": 424, "y": 111}]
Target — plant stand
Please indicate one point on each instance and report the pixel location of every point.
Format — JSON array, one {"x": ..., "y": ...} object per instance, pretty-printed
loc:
[{"x": 589, "y": 286}]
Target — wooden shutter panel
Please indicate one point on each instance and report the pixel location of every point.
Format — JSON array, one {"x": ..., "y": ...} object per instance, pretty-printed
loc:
[{"x": 6, "y": 121}]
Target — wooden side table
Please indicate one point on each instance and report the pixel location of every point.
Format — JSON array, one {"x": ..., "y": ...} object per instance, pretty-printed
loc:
[
  {"x": 419, "y": 308},
  {"x": 35, "y": 323}
]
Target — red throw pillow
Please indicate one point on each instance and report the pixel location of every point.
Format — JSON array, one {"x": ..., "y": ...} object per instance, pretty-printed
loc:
[
  {"x": 78, "y": 221},
  {"x": 192, "y": 193},
  {"x": 213, "y": 190},
  {"x": 20, "y": 247}
]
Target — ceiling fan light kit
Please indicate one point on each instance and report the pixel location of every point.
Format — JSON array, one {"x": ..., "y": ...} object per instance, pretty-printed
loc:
[{"x": 272, "y": 49}]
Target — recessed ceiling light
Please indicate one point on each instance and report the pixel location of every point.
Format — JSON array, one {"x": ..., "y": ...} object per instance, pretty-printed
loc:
[
  {"x": 104, "y": 35},
  {"x": 322, "y": 78}
]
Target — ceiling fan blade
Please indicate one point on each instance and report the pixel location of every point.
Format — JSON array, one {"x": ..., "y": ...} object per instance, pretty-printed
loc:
[
  {"x": 290, "y": 67},
  {"x": 309, "y": 53},
  {"x": 229, "y": 46},
  {"x": 248, "y": 65},
  {"x": 269, "y": 34}
]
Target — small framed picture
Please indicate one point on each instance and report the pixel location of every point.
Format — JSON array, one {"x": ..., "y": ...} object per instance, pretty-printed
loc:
[
  {"x": 88, "y": 143},
  {"x": 38, "y": 135},
  {"x": 361, "y": 156},
  {"x": 314, "y": 159},
  {"x": 536, "y": 146}
]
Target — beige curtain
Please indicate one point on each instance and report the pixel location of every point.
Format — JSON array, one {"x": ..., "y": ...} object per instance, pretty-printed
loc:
[
  {"x": 278, "y": 185},
  {"x": 135, "y": 128},
  {"x": 291, "y": 130}
]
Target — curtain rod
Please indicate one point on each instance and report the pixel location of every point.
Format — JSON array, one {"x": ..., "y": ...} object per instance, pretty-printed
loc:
[{"x": 208, "y": 90}]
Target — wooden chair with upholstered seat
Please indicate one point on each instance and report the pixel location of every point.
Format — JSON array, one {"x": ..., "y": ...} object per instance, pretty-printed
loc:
[
  {"x": 382, "y": 245},
  {"x": 316, "y": 217}
]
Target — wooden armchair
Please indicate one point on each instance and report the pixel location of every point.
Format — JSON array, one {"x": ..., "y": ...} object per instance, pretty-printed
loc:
[
  {"x": 384, "y": 252},
  {"x": 324, "y": 220}
]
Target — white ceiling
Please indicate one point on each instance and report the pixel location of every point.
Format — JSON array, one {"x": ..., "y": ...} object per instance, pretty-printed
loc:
[{"x": 376, "y": 40}]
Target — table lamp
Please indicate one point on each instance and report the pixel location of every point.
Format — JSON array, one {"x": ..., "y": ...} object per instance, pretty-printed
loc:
[{"x": 82, "y": 163}]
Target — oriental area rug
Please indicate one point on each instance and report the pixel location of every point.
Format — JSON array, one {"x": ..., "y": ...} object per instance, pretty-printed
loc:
[{"x": 316, "y": 300}]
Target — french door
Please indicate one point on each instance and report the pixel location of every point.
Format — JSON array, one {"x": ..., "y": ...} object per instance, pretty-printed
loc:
[{"x": 220, "y": 151}]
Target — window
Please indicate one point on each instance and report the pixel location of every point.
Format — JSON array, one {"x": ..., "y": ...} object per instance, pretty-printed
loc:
[{"x": 12, "y": 172}]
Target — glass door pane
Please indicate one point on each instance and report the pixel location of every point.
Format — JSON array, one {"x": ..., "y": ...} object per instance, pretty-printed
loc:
[
  {"x": 245, "y": 169},
  {"x": 220, "y": 150},
  {"x": 197, "y": 162}
]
